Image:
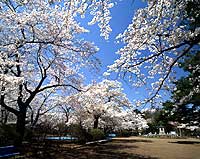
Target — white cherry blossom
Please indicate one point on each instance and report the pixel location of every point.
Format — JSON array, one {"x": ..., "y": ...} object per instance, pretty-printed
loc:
[{"x": 159, "y": 37}]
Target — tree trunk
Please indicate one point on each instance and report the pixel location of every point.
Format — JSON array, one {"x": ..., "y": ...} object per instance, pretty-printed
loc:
[
  {"x": 4, "y": 116},
  {"x": 34, "y": 121},
  {"x": 96, "y": 122},
  {"x": 20, "y": 128}
]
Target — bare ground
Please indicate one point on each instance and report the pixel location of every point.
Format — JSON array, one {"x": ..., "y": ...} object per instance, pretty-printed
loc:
[
  {"x": 162, "y": 148},
  {"x": 129, "y": 148}
]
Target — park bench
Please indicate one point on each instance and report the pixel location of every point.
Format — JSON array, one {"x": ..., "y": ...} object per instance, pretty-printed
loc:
[{"x": 8, "y": 151}]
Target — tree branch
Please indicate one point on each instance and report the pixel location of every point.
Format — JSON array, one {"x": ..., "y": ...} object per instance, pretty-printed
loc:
[
  {"x": 10, "y": 109},
  {"x": 59, "y": 85},
  {"x": 26, "y": 88},
  {"x": 168, "y": 73}
]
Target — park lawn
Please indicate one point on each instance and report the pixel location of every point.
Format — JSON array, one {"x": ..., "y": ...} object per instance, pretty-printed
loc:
[{"x": 129, "y": 148}]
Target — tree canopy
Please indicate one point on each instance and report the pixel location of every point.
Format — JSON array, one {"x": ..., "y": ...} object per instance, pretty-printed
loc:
[{"x": 159, "y": 37}]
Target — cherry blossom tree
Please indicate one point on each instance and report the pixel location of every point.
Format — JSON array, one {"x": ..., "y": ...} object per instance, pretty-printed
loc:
[
  {"x": 130, "y": 120},
  {"x": 41, "y": 49},
  {"x": 104, "y": 105},
  {"x": 159, "y": 37},
  {"x": 99, "y": 99},
  {"x": 123, "y": 119},
  {"x": 112, "y": 120}
]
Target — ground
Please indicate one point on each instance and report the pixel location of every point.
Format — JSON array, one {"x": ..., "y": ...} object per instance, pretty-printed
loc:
[
  {"x": 130, "y": 148},
  {"x": 161, "y": 148}
]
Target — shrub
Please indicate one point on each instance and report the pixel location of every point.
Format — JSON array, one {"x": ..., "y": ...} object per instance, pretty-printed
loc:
[
  {"x": 79, "y": 132},
  {"x": 7, "y": 134},
  {"x": 97, "y": 134},
  {"x": 125, "y": 133}
]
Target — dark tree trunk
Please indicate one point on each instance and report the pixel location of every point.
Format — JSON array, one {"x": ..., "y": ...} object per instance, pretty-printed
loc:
[
  {"x": 34, "y": 121},
  {"x": 4, "y": 116},
  {"x": 20, "y": 128},
  {"x": 96, "y": 122}
]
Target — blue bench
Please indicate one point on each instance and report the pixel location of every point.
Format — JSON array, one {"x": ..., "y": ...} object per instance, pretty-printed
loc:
[
  {"x": 112, "y": 135},
  {"x": 8, "y": 151}
]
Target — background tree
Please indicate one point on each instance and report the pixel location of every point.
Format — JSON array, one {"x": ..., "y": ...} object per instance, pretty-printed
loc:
[
  {"x": 104, "y": 106},
  {"x": 100, "y": 98},
  {"x": 153, "y": 119},
  {"x": 185, "y": 104},
  {"x": 131, "y": 121}
]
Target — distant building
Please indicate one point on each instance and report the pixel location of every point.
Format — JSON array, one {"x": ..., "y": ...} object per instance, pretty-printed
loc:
[{"x": 161, "y": 130}]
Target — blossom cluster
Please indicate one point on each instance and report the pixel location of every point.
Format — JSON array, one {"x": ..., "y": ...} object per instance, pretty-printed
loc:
[{"x": 156, "y": 40}]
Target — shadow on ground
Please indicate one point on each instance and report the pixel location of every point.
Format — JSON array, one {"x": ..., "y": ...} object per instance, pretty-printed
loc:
[
  {"x": 103, "y": 151},
  {"x": 110, "y": 150},
  {"x": 131, "y": 141},
  {"x": 185, "y": 142}
]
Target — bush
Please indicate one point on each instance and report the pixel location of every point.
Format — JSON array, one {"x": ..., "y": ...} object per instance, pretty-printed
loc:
[
  {"x": 97, "y": 134},
  {"x": 79, "y": 132},
  {"x": 7, "y": 134},
  {"x": 125, "y": 133},
  {"x": 29, "y": 134}
]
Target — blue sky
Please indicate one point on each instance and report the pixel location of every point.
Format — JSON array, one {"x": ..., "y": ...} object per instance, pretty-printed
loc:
[{"x": 122, "y": 14}]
